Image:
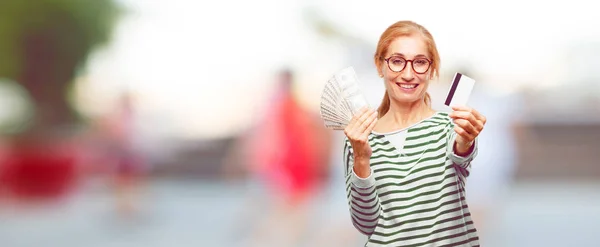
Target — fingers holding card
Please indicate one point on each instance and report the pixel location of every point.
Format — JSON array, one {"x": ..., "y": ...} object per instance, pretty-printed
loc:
[{"x": 468, "y": 121}]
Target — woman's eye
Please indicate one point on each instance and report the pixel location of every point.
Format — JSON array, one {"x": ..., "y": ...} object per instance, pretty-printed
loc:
[
  {"x": 398, "y": 61},
  {"x": 421, "y": 62}
]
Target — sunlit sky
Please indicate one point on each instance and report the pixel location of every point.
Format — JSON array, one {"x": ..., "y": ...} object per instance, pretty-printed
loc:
[{"x": 205, "y": 66}]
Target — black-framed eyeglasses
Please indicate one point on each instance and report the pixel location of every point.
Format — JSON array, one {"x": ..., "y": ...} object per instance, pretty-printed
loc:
[{"x": 398, "y": 63}]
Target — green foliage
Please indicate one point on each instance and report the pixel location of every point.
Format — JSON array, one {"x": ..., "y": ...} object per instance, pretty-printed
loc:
[{"x": 76, "y": 27}]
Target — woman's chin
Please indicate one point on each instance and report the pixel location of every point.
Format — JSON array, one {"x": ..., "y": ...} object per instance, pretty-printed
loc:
[{"x": 409, "y": 99}]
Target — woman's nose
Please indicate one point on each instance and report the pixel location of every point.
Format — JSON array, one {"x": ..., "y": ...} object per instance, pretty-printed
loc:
[{"x": 407, "y": 73}]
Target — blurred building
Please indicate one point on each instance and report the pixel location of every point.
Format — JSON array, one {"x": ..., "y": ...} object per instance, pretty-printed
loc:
[{"x": 559, "y": 138}]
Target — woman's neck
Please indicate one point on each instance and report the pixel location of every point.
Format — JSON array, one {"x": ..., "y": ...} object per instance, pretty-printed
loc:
[{"x": 401, "y": 115}]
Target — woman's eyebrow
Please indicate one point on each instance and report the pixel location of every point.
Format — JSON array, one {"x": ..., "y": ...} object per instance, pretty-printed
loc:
[
  {"x": 396, "y": 54},
  {"x": 402, "y": 55}
]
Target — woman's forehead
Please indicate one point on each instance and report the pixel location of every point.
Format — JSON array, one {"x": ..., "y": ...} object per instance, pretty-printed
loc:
[{"x": 407, "y": 46}]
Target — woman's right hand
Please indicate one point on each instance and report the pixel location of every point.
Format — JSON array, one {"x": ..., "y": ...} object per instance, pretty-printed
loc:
[{"x": 358, "y": 131}]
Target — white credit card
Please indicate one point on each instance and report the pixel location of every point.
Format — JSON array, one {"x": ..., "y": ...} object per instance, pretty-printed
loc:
[{"x": 460, "y": 90}]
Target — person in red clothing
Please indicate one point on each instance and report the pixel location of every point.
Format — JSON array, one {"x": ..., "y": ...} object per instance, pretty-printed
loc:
[
  {"x": 290, "y": 164},
  {"x": 287, "y": 154}
]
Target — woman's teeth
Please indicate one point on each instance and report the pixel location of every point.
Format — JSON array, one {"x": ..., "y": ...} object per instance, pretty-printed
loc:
[{"x": 407, "y": 86}]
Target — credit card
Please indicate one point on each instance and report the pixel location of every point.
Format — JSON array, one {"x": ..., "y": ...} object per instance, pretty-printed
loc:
[{"x": 460, "y": 90}]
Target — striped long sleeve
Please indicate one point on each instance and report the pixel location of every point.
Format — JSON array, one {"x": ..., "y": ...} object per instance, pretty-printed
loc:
[
  {"x": 463, "y": 164},
  {"x": 362, "y": 196}
]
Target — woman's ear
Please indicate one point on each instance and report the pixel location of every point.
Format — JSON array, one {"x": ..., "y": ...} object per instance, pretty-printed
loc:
[{"x": 379, "y": 70}]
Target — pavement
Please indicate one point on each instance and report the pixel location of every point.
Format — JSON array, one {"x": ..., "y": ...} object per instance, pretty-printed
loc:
[{"x": 207, "y": 213}]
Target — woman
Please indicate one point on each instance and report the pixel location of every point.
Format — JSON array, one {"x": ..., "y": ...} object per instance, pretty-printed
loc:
[{"x": 406, "y": 164}]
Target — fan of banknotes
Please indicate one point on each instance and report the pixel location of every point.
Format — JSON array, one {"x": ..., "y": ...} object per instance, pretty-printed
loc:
[{"x": 341, "y": 99}]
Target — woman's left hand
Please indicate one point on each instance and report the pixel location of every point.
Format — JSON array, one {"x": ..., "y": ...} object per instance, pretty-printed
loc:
[{"x": 468, "y": 123}]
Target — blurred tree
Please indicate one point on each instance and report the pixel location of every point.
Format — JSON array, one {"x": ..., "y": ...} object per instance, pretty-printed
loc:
[{"x": 43, "y": 44}]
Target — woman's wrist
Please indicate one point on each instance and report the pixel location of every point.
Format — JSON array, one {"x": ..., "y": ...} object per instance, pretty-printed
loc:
[
  {"x": 362, "y": 167},
  {"x": 463, "y": 149}
]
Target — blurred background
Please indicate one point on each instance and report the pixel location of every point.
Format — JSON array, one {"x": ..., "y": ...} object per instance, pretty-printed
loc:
[{"x": 196, "y": 123}]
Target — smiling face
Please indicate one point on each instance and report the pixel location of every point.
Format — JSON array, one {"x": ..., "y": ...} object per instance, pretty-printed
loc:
[{"x": 410, "y": 56}]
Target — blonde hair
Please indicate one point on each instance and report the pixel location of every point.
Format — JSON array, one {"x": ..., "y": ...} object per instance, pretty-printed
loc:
[{"x": 399, "y": 29}]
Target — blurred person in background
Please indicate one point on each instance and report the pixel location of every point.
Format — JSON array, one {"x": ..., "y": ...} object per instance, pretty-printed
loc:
[
  {"x": 286, "y": 155},
  {"x": 406, "y": 164},
  {"x": 127, "y": 164}
]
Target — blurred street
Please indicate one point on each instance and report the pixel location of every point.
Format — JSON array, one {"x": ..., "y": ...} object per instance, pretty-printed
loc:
[{"x": 192, "y": 213}]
